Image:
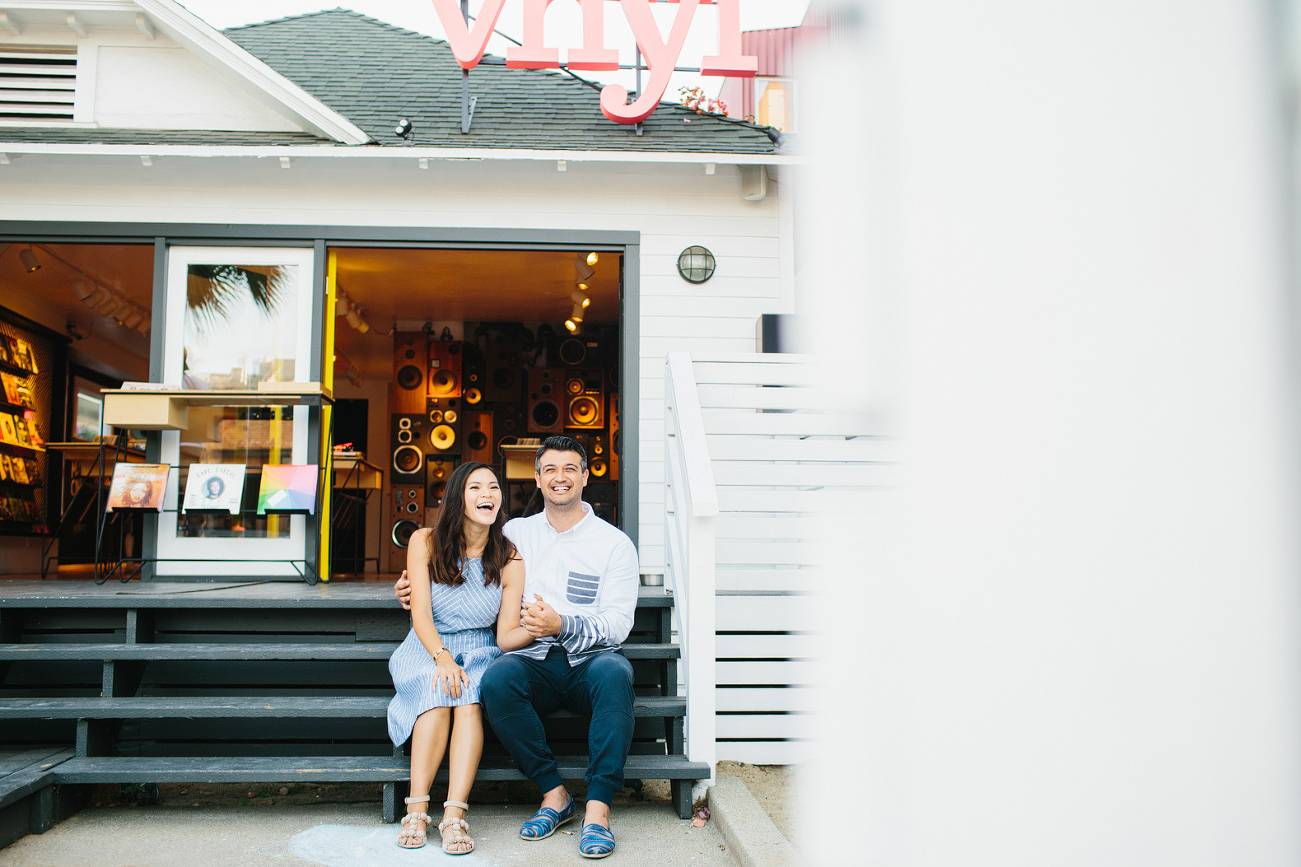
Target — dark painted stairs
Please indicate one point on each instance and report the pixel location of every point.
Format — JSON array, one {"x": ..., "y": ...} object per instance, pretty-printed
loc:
[{"x": 250, "y": 682}]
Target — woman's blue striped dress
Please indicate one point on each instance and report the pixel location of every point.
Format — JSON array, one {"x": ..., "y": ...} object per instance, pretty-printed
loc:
[{"x": 466, "y": 619}]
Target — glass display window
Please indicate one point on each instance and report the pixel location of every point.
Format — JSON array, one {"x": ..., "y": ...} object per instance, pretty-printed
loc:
[{"x": 236, "y": 318}]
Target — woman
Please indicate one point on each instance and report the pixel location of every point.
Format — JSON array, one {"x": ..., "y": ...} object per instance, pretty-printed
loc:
[{"x": 457, "y": 569}]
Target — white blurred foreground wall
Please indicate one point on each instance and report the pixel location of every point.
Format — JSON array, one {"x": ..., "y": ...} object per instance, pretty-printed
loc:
[{"x": 1046, "y": 245}]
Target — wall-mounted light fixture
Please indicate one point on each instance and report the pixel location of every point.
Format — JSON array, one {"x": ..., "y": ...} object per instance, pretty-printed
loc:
[
  {"x": 592, "y": 258},
  {"x": 696, "y": 264}
]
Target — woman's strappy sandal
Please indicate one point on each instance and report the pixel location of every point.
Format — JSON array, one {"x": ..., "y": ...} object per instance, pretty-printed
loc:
[
  {"x": 410, "y": 819},
  {"x": 460, "y": 830}
]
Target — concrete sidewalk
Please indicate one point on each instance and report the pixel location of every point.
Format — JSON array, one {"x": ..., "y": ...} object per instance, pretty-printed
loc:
[{"x": 336, "y": 835}]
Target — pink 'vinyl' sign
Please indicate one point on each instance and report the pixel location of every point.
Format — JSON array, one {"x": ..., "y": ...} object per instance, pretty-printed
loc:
[{"x": 469, "y": 42}]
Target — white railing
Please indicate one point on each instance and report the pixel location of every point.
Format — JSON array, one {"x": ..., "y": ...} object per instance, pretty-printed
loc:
[{"x": 691, "y": 505}]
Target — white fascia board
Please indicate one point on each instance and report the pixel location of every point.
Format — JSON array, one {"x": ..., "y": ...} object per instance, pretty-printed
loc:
[
  {"x": 73, "y": 5},
  {"x": 396, "y": 153},
  {"x": 197, "y": 35},
  {"x": 190, "y": 30}
]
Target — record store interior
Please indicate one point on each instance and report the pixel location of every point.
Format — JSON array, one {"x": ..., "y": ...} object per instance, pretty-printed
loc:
[{"x": 439, "y": 356}]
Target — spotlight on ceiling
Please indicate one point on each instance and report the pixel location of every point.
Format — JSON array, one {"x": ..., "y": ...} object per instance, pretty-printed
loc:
[
  {"x": 577, "y": 315},
  {"x": 356, "y": 319},
  {"x": 571, "y": 325},
  {"x": 29, "y": 260},
  {"x": 110, "y": 305},
  {"x": 580, "y": 298},
  {"x": 584, "y": 270},
  {"x": 94, "y": 296},
  {"x": 592, "y": 258},
  {"x": 133, "y": 317}
]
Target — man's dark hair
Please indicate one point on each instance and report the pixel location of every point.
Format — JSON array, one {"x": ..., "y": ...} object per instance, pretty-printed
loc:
[{"x": 560, "y": 443}]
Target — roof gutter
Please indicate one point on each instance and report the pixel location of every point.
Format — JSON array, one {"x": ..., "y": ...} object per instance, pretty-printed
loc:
[{"x": 393, "y": 153}]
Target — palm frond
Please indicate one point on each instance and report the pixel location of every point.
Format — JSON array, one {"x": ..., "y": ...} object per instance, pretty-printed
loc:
[{"x": 212, "y": 291}]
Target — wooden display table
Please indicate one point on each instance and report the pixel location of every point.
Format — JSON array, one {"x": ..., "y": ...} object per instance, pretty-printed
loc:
[{"x": 169, "y": 408}]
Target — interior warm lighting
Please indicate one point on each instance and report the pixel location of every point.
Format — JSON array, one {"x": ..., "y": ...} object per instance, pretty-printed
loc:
[
  {"x": 592, "y": 258},
  {"x": 580, "y": 298},
  {"x": 571, "y": 325},
  {"x": 584, "y": 270},
  {"x": 582, "y": 287},
  {"x": 577, "y": 315},
  {"x": 29, "y": 260}
]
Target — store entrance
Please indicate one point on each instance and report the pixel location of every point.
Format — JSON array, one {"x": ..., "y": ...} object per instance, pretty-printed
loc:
[{"x": 480, "y": 355}]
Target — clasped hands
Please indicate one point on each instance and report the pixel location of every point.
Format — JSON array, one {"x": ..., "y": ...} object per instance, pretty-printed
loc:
[{"x": 539, "y": 618}]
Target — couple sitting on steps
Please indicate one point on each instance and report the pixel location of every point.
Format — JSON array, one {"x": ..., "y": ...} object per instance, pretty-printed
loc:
[{"x": 560, "y": 588}]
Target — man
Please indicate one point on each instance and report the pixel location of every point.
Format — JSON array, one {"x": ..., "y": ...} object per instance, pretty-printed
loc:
[{"x": 580, "y": 595}]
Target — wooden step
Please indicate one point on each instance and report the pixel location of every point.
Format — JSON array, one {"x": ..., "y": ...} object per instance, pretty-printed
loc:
[
  {"x": 176, "y": 651},
  {"x": 249, "y": 707},
  {"x": 244, "y": 593},
  {"x": 380, "y": 769},
  {"x": 24, "y": 772}
]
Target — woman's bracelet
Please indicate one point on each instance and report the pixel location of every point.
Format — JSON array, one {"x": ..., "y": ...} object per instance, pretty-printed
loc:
[{"x": 440, "y": 652}]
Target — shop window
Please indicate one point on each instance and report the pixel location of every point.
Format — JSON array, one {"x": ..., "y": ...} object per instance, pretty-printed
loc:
[
  {"x": 236, "y": 318},
  {"x": 774, "y": 101},
  {"x": 240, "y": 327}
]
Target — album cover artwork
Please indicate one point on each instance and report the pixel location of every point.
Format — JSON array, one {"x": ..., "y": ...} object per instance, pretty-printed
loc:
[
  {"x": 11, "y": 388},
  {"x": 23, "y": 356},
  {"x": 215, "y": 487},
  {"x": 8, "y": 431},
  {"x": 138, "y": 486},
  {"x": 288, "y": 488}
]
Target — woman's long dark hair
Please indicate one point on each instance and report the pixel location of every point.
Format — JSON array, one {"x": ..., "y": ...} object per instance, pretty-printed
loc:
[{"x": 449, "y": 534}]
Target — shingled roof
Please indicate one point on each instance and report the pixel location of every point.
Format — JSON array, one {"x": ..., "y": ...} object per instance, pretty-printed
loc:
[{"x": 373, "y": 73}]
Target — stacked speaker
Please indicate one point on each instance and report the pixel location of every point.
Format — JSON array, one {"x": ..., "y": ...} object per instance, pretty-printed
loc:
[{"x": 455, "y": 401}]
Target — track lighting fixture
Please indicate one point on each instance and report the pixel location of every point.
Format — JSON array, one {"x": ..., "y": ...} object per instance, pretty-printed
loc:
[
  {"x": 577, "y": 315},
  {"x": 29, "y": 260},
  {"x": 571, "y": 326},
  {"x": 579, "y": 298},
  {"x": 133, "y": 317},
  {"x": 584, "y": 270},
  {"x": 592, "y": 258}
]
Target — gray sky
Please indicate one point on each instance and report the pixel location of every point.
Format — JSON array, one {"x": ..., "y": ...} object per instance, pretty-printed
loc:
[{"x": 562, "y": 21}]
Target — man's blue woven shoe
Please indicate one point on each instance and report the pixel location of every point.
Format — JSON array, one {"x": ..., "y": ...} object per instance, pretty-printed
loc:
[
  {"x": 546, "y": 820},
  {"x": 595, "y": 841}
]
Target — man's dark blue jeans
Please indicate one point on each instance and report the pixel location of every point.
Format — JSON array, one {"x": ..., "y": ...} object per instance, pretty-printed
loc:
[{"x": 516, "y": 691}]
